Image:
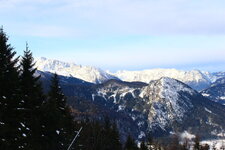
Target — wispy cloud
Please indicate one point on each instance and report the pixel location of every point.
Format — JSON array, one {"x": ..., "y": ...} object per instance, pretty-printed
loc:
[
  {"x": 109, "y": 17},
  {"x": 91, "y": 32}
]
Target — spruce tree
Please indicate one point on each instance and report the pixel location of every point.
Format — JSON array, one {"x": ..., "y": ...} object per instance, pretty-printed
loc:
[
  {"x": 150, "y": 143},
  {"x": 32, "y": 103},
  {"x": 115, "y": 138},
  {"x": 130, "y": 144},
  {"x": 59, "y": 122},
  {"x": 143, "y": 146},
  {"x": 197, "y": 143},
  {"x": 110, "y": 136},
  {"x": 9, "y": 96}
]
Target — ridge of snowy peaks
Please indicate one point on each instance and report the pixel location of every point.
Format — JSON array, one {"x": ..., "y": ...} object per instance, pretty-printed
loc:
[
  {"x": 86, "y": 73},
  {"x": 196, "y": 79}
]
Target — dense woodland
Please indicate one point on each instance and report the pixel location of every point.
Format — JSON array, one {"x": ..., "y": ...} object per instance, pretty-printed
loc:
[{"x": 32, "y": 120}]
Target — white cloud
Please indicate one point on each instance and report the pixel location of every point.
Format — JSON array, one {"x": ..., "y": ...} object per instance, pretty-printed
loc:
[
  {"x": 95, "y": 19},
  {"x": 109, "y": 17}
]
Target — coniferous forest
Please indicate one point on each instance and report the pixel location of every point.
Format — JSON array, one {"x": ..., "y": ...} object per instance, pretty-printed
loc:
[{"x": 33, "y": 120}]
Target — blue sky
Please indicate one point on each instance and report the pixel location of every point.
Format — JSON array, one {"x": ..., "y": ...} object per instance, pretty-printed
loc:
[{"x": 120, "y": 34}]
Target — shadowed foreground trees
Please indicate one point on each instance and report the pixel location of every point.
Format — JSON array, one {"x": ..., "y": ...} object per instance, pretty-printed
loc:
[
  {"x": 10, "y": 115},
  {"x": 24, "y": 109},
  {"x": 32, "y": 102},
  {"x": 59, "y": 125},
  {"x": 98, "y": 136}
]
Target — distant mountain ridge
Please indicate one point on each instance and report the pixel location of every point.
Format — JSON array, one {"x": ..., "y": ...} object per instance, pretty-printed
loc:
[
  {"x": 196, "y": 79},
  {"x": 86, "y": 73}
]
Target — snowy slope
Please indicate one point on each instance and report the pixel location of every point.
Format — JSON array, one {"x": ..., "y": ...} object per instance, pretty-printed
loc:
[
  {"x": 86, "y": 73},
  {"x": 168, "y": 105},
  {"x": 194, "y": 78},
  {"x": 161, "y": 106}
]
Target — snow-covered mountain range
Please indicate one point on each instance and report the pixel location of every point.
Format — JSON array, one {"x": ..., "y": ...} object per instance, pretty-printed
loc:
[
  {"x": 196, "y": 79},
  {"x": 86, "y": 73}
]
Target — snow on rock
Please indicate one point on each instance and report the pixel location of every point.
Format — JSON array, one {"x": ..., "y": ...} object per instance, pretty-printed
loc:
[
  {"x": 22, "y": 124},
  {"x": 205, "y": 94},
  {"x": 194, "y": 78},
  {"x": 86, "y": 73},
  {"x": 166, "y": 104},
  {"x": 57, "y": 131},
  {"x": 164, "y": 100},
  {"x": 209, "y": 111},
  {"x": 187, "y": 135},
  {"x": 216, "y": 143},
  {"x": 141, "y": 135},
  {"x": 222, "y": 97},
  {"x": 121, "y": 91}
]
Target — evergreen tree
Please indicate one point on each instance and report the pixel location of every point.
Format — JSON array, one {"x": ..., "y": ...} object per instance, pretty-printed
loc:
[
  {"x": 143, "y": 146},
  {"x": 59, "y": 122},
  {"x": 150, "y": 143},
  {"x": 197, "y": 143},
  {"x": 32, "y": 103},
  {"x": 174, "y": 143},
  {"x": 130, "y": 144},
  {"x": 205, "y": 147},
  {"x": 115, "y": 138},
  {"x": 9, "y": 96},
  {"x": 110, "y": 136}
]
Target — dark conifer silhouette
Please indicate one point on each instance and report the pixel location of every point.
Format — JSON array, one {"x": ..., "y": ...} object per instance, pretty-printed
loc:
[
  {"x": 59, "y": 122},
  {"x": 143, "y": 146},
  {"x": 32, "y": 103},
  {"x": 9, "y": 96},
  {"x": 115, "y": 138},
  {"x": 130, "y": 144},
  {"x": 197, "y": 143}
]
